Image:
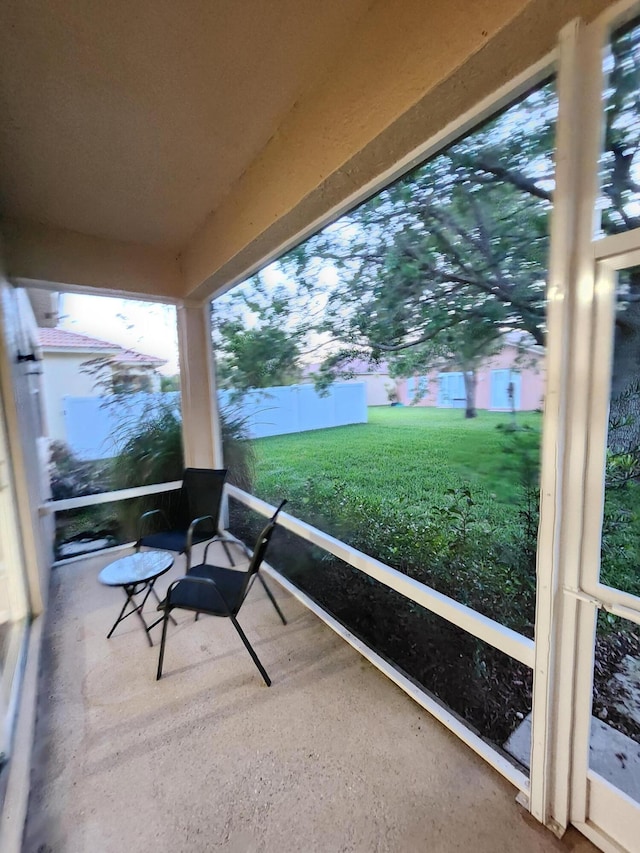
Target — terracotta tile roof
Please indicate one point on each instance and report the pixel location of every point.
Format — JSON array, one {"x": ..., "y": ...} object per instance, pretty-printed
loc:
[{"x": 62, "y": 339}]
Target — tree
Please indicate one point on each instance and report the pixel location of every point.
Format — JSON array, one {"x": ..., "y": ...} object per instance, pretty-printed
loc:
[
  {"x": 464, "y": 348},
  {"x": 451, "y": 257},
  {"x": 620, "y": 195},
  {"x": 260, "y": 333},
  {"x": 170, "y": 383},
  {"x": 256, "y": 358},
  {"x": 459, "y": 246}
]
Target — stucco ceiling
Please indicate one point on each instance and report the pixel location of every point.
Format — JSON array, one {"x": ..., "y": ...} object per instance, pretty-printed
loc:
[{"x": 132, "y": 120}]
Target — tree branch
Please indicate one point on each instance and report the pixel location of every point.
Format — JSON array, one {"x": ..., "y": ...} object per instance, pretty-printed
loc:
[{"x": 515, "y": 178}]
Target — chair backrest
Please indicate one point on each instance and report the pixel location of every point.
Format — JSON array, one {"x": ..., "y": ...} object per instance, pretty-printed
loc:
[
  {"x": 259, "y": 551},
  {"x": 201, "y": 494}
]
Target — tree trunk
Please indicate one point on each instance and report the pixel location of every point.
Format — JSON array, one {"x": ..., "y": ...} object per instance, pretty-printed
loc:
[{"x": 470, "y": 382}]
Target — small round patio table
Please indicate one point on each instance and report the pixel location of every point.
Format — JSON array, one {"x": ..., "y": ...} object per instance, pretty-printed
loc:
[{"x": 136, "y": 574}]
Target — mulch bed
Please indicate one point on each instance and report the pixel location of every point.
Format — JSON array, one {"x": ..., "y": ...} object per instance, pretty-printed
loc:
[{"x": 489, "y": 690}]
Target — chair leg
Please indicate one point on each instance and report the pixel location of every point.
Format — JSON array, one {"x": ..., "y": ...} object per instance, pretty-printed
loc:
[
  {"x": 271, "y": 598},
  {"x": 249, "y": 648},
  {"x": 227, "y": 552},
  {"x": 165, "y": 623},
  {"x": 159, "y": 602}
]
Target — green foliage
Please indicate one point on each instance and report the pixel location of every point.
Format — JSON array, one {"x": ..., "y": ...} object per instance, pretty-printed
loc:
[
  {"x": 152, "y": 452},
  {"x": 256, "y": 358},
  {"x": 239, "y": 450},
  {"x": 437, "y": 266},
  {"x": 621, "y": 519},
  {"x": 454, "y": 504},
  {"x": 170, "y": 383},
  {"x": 440, "y": 503},
  {"x": 71, "y": 477},
  {"x": 622, "y": 133},
  {"x": 434, "y": 269},
  {"x": 258, "y": 334}
]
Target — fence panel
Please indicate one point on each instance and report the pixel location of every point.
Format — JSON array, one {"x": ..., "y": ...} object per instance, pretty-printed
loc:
[
  {"x": 299, "y": 408},
  {"x": 94, "y": 428}
]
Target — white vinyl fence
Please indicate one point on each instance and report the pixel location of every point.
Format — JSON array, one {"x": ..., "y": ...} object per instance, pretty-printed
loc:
[
  {"x": 299, "y": 408},
  {"x": 95, "y": 427}
]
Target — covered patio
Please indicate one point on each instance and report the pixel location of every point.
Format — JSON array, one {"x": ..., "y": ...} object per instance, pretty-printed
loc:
[
  {"x": 332, "y": 757},
  {"x": 167, "y": 151}
]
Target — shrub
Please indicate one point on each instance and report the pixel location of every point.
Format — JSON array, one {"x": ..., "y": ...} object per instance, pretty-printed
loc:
[
  {"x": 71, "y": 477},
  {"x": 152, "y": 453}
]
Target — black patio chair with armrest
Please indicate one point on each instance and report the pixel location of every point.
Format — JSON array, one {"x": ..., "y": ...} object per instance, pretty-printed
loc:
[
  {"x": 193, "y": 517},
  {"x": 221, "y": 575},
  {"x": 218, "y": 591}
]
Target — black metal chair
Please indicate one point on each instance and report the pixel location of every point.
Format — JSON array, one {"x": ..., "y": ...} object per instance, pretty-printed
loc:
[
  {"x": 218, "y": 591},
  {"x": 192, "y": 517}
]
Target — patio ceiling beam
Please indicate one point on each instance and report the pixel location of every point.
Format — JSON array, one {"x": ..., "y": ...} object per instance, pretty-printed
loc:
[
  {"x": 397, "y": 87},
  {"x": 46, "y": 256}
]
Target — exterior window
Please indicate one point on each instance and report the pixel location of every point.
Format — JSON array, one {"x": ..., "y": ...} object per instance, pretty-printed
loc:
[
  {"x": 506, "y": 388},
  {"x": 451, "y": 392},
  {"x": 425, "y": 288}
]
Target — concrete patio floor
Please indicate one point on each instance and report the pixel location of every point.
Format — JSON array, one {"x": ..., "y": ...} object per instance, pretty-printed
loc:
[{"x": 332, "y": 757}]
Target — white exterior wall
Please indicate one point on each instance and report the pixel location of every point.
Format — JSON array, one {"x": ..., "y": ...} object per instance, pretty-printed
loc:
[
  {"x": 63, "y": 377},
  {"x": 19, "y": 388}
]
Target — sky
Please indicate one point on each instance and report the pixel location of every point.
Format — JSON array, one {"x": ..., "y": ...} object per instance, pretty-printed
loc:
[{"x": 148, "y": 327}]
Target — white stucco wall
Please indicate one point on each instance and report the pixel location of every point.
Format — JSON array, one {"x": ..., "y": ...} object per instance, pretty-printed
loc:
[
  {"x": 27, "y": 470},
  {"x": 63, "y": 377}
]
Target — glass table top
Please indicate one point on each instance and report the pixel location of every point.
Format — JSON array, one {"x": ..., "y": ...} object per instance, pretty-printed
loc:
[{"x": 136, "y": 568}]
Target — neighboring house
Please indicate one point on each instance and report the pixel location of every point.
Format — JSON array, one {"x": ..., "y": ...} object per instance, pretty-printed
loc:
[
  {"x": 380, "y": 386},
  {"x": 520, "y": 363},
  {"x": 65, "y": 357}
]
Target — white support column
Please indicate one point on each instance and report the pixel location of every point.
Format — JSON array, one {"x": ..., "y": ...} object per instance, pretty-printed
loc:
[
  {"x": 200, "y": 422},
  {"x": 562, "y": 481}
]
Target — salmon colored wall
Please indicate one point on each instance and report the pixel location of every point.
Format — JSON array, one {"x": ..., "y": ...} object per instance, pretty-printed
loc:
[{"x": 530, "y": 366}]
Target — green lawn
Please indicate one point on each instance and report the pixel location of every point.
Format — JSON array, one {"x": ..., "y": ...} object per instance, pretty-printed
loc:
[
  {"x": 407, "y": 455},
  {"x": 445, "y": 500},
  {"x": 426, "y": 491},
  {"x": 386, "y": 487}
]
